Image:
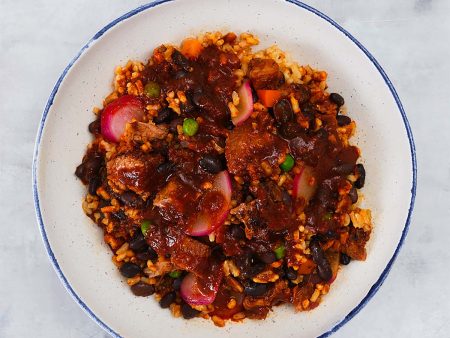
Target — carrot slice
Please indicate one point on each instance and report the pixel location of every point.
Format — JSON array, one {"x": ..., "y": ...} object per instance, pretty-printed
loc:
[
  {"x": 191, "y": 48},
  {"x": 268, "y": 97}
]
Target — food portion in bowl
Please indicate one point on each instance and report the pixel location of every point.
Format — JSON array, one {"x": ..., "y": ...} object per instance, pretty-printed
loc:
[{"x": 224, "y": 180}]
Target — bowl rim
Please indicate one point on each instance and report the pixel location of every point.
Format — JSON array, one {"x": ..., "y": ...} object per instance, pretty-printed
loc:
[{"x": 372, "y": 291}]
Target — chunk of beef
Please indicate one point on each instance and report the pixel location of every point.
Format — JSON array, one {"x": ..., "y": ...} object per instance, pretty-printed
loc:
[
  {"x": 275, "y": 208},
  {"x": 90, "y": 167},
  {"x": 300, "y": 294},
  {"x": 356, "y": 242},
  {"x": 190, "y": 254},
  {"x": 271, "y": 210},
  {"x": 133, "y": 171},
  {"x": 265, "y": 73},
  {"x": 309, "y": 149},
  {"x": 276, "y": 294},
  {"x": 251, "y": 144},
  {"x": 145, "y": 132},
  {"x": 173, "y": 200}
]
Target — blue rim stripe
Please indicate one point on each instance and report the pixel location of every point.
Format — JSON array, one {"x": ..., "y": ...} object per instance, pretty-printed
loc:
[{"x": 388, "y": 82}]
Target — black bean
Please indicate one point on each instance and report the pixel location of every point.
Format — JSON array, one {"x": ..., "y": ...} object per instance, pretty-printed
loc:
[
  {"x": 290, "y": 130},
  {"x": 244, "y": 261},
  {"x": 119, "y": 215},
  {"x": 173, "y": 125},
  {"x": 89, "y": 168},
  {"x": 345, "y": 259},
  {"x": 130, "y": 198},
  {"x": 177, "y": 283},
  {"x": 211, "y": 163},
  {"x": 344, "y": 169},
  {"x": 94, "y": 127},
  {"x": 237, "y": 231},
  {"x": 336, "y": 98},
  {"x": 255, "y": 269},
  {"x": 145, "y": 256},
  {"x": 181, "y": 61},
  {"x": 217, "y": 253},
  {"x": 229, "y": 125},
  {"x": 267, "y": 257},
  {"x": 152, "y": 253},
  {"x": 188, "y": 312},
  {"x": 180, "y": 74},
  {"x": 353, "y": 194},
  {"x": 343, "y": 120},
  {"x": 361, "y": 174},
  {"x": 129, "y": 270},
  {"x": 94, "y": 183},
  {"x": 255, "y": 289},
  {"x": 138, "y": 243},
  {"x": 142, "y": 289},
  {"x": 167, "y": 300},
  {"x": 165, "y": 115},
  {"x": 323, "y": 266},
  {"x": 165, "y": 168},
  {"x": 199, "y": 99},
  {"x": 291, "y": 274},
  {"x": 283, "y": 112}
]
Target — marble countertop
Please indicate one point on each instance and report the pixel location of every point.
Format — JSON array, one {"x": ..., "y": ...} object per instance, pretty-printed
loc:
[{"x": 408, "y": 37}]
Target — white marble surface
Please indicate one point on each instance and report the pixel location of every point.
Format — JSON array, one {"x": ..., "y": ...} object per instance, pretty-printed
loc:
[{"x": 408, "y": 37}]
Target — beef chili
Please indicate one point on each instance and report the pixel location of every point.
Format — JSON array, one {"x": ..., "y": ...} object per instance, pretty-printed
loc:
[{"x": 224, "y": 180}]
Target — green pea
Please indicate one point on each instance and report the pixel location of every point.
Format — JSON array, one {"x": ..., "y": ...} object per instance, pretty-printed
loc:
[
  {"x": 280, "y": 251},
  {"x": 152, "y": 89},
  {"x": 175, "y": 273},
  {"x": 145, "y": 226},
  {"x": 190, "y": 127},
  {"x": 328, "y": 216},
  {"x": 288, "y": 163}
]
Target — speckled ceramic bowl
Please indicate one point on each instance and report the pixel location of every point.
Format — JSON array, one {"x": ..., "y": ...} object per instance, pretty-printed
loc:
[{"x": 75, "y": 246}]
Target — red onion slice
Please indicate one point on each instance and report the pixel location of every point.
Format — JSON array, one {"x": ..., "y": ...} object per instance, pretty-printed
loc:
[
  {"x": 304, "y": 184},
  {"x": 117, "y": 114},
  {"x": 204, "y": 223},
  {"x": 198, "y": 291},
  {"x": 245, "y": 106}
]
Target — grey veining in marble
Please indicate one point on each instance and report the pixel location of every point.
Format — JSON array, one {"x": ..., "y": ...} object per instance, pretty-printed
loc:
[{"x": 409, "y": 38}]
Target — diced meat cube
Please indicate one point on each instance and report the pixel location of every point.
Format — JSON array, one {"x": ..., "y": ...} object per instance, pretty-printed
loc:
[
  {"x": 265, "y": 73},
  {"x": 301, "y": 296},
  {"x": 132, "y": 171},
  {"x": 190, "y": 254},
  {"x": 272, "y": 209},
  {"x": 251, "y": 144},
  {"x": 145, "y": 132},
  {"x": 170, "y": 201},
  {"x": 309, "y": 149},
  {"x": 275, "y": 207},
  {"x": 177, "y": 200},
  {"x": 356, "y": 242},
  {"x": 278, "y": 293}
]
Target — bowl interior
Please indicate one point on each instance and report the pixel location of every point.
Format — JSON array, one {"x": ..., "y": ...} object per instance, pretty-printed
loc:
[{"x": 77, "y": 244}]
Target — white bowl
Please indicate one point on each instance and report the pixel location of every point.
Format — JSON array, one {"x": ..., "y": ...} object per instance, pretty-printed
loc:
[{"x": 75, "y": 245}]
